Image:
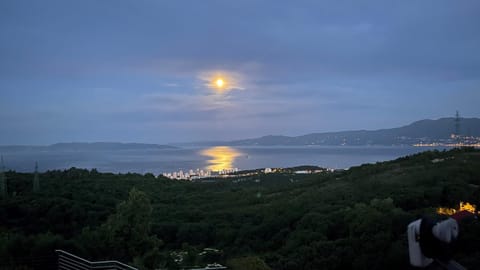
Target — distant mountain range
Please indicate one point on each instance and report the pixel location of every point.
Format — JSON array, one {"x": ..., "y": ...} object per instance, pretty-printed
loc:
[
  {"x": 96, "y": 146},
  {"x": 423, "y": 131}
]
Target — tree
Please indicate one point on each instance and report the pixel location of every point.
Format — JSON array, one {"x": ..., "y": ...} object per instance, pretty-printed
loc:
[
  {"x": 36, "y": 180},
  {"x": 128, "y": 230},
  {"x": 3, "y": 180},
  {"x": 251, "y": 263}
]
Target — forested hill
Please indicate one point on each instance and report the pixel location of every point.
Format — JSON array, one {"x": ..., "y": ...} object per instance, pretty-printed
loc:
[
  {"x": 420, "y": 131},
  {"x": 354, "y": 219}
]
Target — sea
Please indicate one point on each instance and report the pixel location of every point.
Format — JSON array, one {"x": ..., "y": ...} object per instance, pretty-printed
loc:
[{"x": 205, "y": 158}]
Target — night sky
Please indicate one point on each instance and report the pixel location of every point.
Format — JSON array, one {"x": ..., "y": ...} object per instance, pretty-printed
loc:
[{"x": 144, "y": 71}]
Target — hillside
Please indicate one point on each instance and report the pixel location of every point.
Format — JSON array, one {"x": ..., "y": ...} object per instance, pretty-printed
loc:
[
  {"x": 353, "y": 219},
  {"x": 420, "y": 131}
]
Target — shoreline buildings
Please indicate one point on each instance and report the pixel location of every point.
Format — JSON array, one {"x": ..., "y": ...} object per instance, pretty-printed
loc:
[{"x": 199, "y": 174}]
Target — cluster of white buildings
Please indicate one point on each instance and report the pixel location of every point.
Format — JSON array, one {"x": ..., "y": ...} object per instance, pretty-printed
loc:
[
  {"x": 454, "y": 141},
  {"x": 199, "y": 174},
  {"x": 270, "y": 170},
  {"x": 190, "y": 175},
  {"x": 314, "y": 171},
  {"x": 226, "y": 173}
]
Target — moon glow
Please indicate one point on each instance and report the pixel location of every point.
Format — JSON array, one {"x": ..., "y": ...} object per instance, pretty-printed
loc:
[{"x": 219, "y": 83}]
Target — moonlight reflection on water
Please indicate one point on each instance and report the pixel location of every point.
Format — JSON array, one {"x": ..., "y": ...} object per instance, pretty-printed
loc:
[{"x": 220, "y": 157}]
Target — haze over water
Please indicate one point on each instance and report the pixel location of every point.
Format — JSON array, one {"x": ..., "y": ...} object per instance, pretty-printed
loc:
[{"x": 212, "y": 158}]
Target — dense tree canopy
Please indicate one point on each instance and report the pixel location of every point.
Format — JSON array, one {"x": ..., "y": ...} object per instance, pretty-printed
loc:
[{"x": 353, "y": 219}]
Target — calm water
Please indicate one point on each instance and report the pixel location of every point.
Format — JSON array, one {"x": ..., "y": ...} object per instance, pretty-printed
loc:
[{"x": 159, "y": 161}]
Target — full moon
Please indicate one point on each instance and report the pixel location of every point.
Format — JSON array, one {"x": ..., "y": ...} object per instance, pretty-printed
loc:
[{"x": 219, "y": 82}]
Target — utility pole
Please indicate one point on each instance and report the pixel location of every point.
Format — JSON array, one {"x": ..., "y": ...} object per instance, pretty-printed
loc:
[
  {"x": 36, "y": 180},
  {"x": 457, "y": 127},
  {"x": 3, "y": 180}
]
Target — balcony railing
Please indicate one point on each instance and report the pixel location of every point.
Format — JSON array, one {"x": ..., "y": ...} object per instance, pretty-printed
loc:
[
  {"x": 59, "y": 260},
  {"x": 68, "y": 261}
]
